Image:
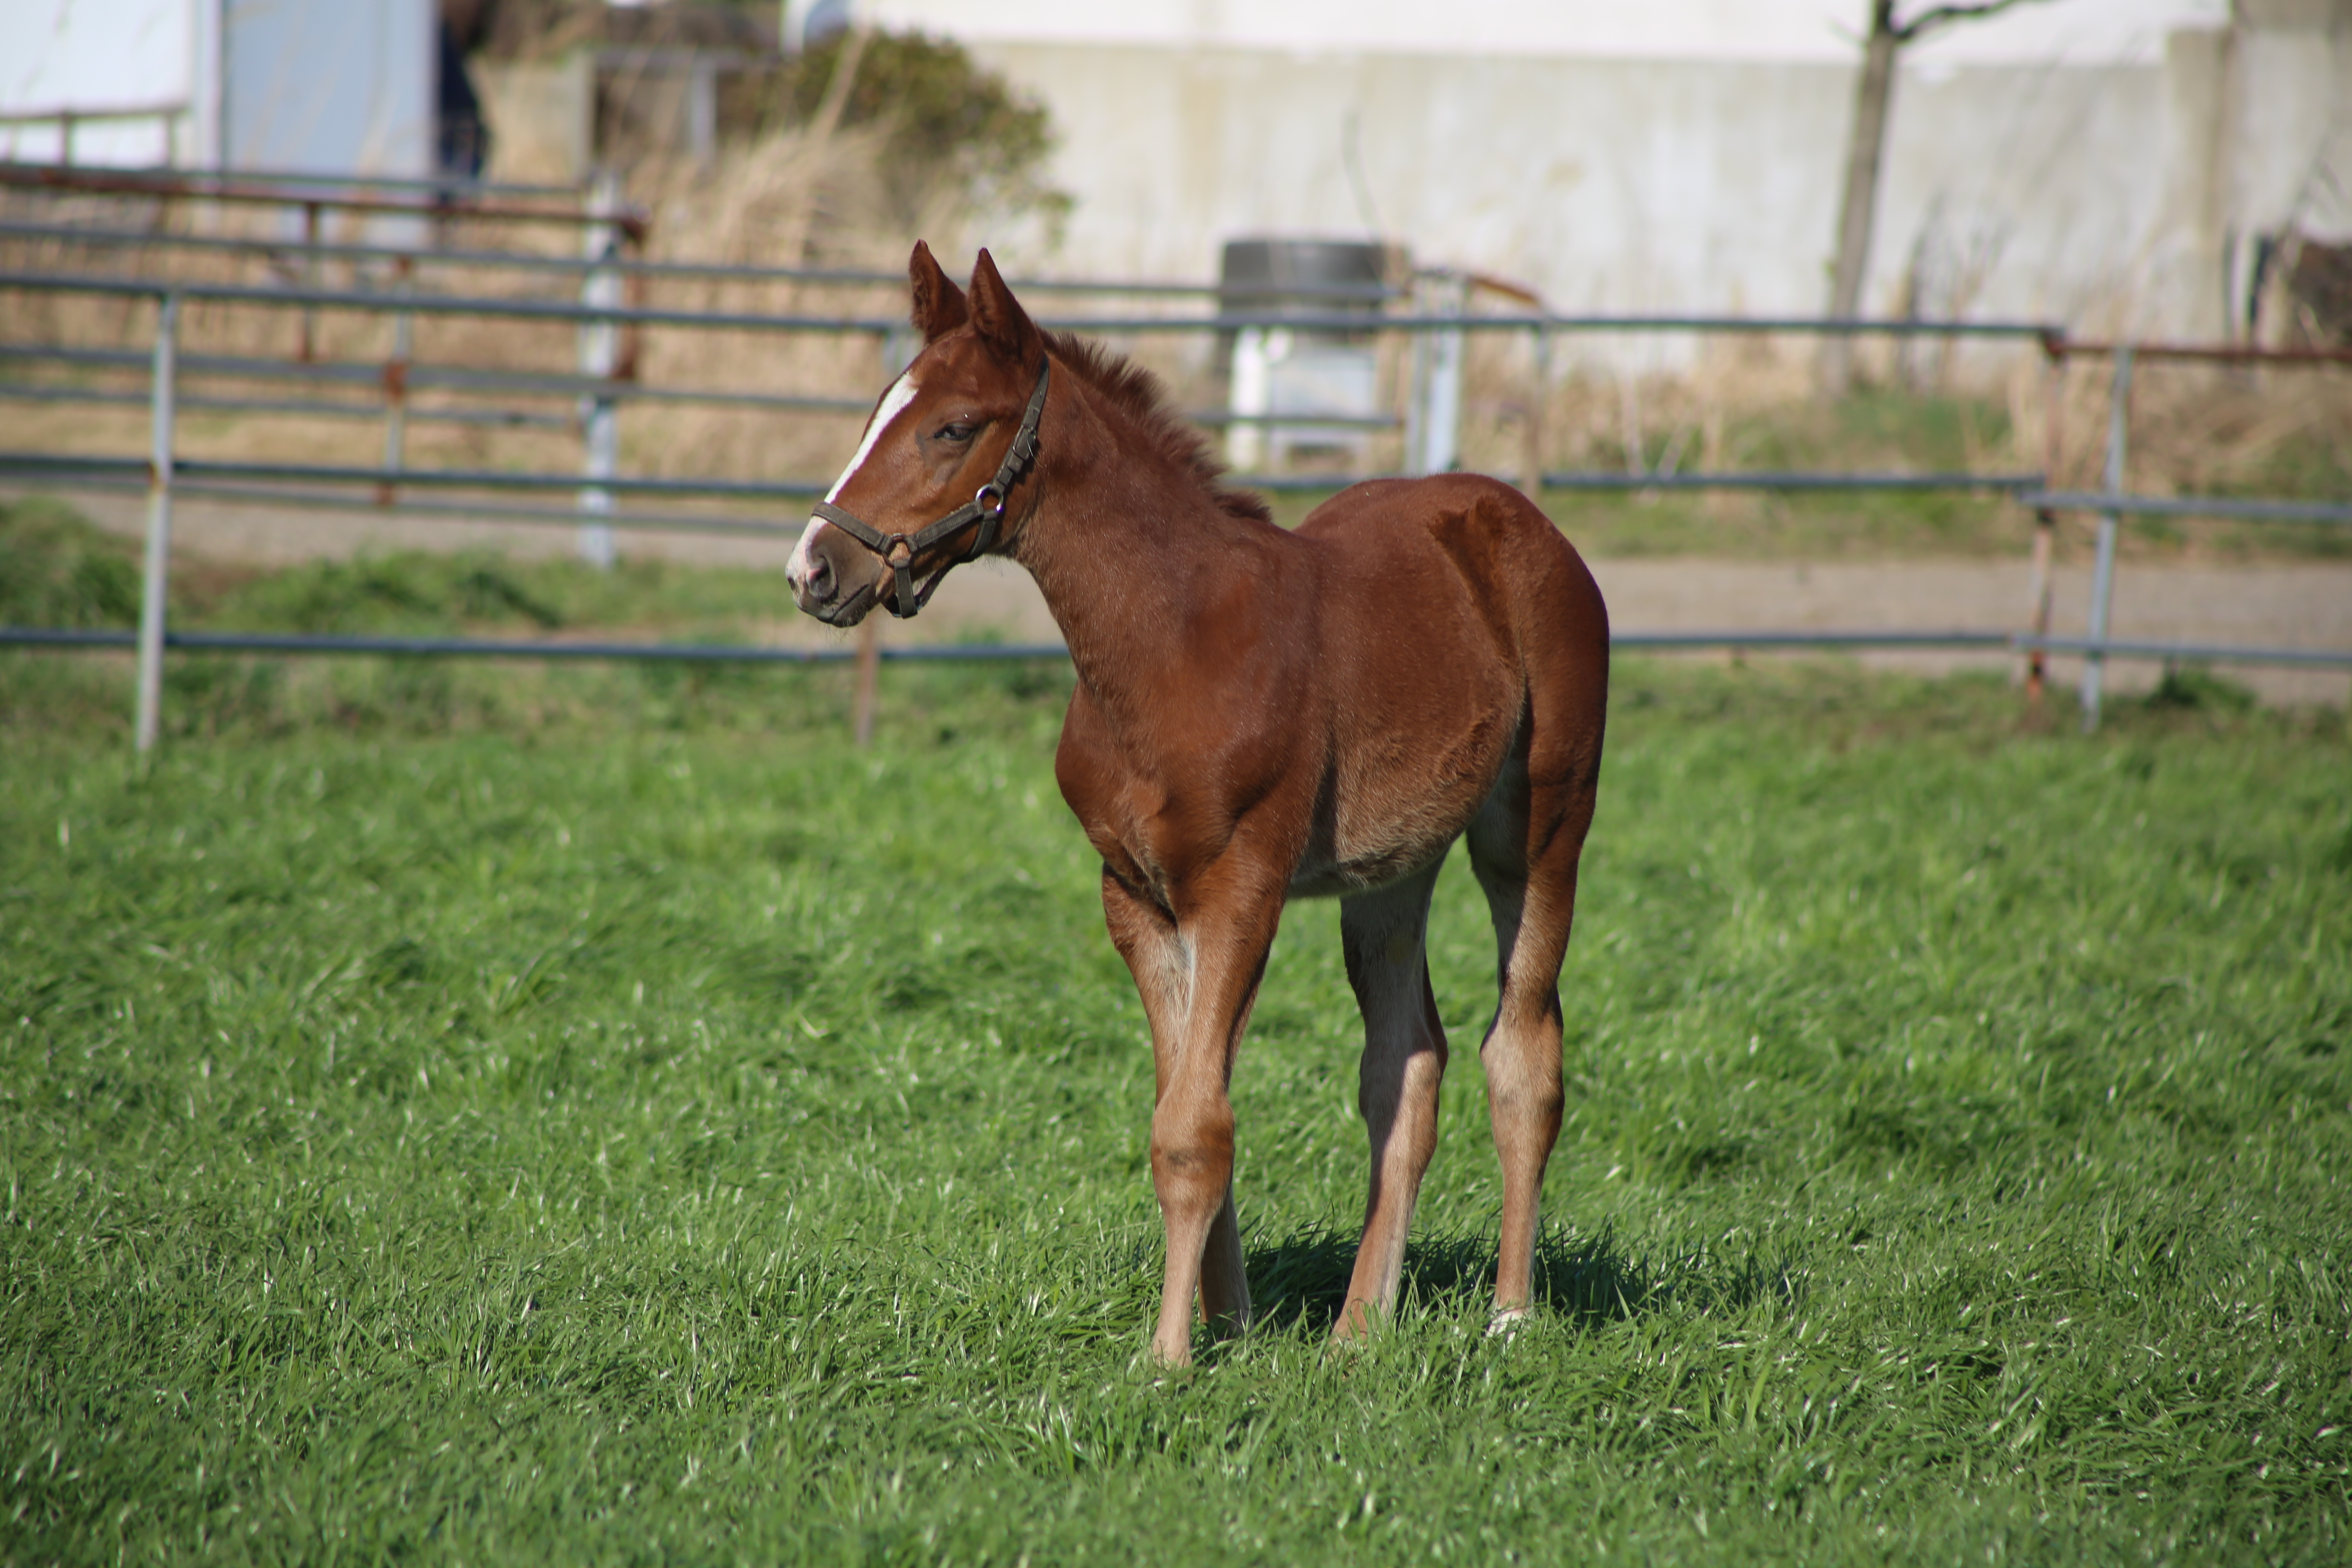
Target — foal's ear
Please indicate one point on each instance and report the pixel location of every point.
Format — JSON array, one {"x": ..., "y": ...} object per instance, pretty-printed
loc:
[
  {"x": 938, "y": 304},
  {"x": 998, "y": 317}
]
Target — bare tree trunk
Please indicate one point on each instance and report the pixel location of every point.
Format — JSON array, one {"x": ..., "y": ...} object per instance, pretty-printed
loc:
[
  {"x": 1873, "y": 99},
  {"x": 1858, "y": 210}
]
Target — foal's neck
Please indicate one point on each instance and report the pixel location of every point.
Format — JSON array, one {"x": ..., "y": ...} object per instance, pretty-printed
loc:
[{"x": 1128, "y": 546}]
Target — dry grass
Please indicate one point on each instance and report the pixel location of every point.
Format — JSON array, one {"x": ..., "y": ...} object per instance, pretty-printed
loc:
[{"x": 760, "y": 205}]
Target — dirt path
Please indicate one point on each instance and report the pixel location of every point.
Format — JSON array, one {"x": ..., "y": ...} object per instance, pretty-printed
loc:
[{"x": 2306, "y": 605}]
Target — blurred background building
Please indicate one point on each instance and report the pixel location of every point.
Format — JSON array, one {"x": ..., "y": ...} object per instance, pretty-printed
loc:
[
  {"x": 2134, "y": 162},
  {"x": 2131, "y": 159}
]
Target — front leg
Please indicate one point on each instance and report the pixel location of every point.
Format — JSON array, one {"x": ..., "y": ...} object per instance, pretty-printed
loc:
[
  {"x": 1198, "y": 977},
  {"x": 1145, "y": 936}
]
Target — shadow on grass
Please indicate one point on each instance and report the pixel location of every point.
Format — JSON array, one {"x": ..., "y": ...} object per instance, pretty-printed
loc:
[{"x": 1588, "y": 1279}]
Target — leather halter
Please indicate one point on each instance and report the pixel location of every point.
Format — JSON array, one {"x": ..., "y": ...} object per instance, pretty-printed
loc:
[{"x": 986, "y": 508}]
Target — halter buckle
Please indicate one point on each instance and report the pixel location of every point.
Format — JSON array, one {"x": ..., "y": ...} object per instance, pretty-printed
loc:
[{"x": 979, "y": 497}]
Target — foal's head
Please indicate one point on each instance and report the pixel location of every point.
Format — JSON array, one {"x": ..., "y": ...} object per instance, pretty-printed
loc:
[{"x": 940, "y": 442}]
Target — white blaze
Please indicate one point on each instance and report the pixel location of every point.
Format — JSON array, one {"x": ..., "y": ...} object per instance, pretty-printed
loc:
[
  {"x": 894, "y": 403},
  {"x": 901, "y": 392}
]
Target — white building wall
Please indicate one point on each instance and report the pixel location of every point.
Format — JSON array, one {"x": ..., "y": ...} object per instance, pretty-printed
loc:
[
  {"x": 2124, "y": 196},
  {"x": 2104, "y": 161},
  {"x": 1660, "y": 185},
  {"x": 1822, "y": 32}
]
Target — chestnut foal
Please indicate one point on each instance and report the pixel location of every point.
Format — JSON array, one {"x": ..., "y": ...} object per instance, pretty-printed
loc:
[{"x": 1260, "y": 715}]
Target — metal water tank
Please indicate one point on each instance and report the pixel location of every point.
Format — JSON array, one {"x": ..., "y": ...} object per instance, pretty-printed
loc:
[
  {"x": 1303, "y": 277},
  {"x": 1325, "y": 379}
]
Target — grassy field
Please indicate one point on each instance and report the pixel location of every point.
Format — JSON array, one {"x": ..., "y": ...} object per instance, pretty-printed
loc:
[{"x": 477, "y": 1116}]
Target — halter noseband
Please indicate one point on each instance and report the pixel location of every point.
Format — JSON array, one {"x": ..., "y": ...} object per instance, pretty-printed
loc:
[{"x": 986, "y": 508}]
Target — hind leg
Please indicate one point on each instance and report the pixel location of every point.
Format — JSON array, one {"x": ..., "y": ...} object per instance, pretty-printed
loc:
[
  {"x": 1383, "y": 935},
  {"x": 1524, "y": 845}
]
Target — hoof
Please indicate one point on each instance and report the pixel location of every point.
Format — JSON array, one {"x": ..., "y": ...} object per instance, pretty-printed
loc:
[{"x": 1505, "y": 1324}]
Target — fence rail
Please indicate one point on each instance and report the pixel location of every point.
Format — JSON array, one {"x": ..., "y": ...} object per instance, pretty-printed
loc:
[
  {"x": 951, "y": 653},
  {"x": 198, "y": 185},
  {"x": 428, "y": 302},
  {"x": 633, "y": 267},
  {"x": 1788, "y": 479},
  {"x": 472, "y": 509},
  {"x": 607, "y": 379},
  {"x": 411, "y": 374},
  {"x": 42, "y": 464},
  {"x": 2240, "y": 508},
  {"x": 313, "y": 195}
]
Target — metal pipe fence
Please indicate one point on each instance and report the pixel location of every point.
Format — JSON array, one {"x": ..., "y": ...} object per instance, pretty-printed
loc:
[
  {"x": 605, "y": 380},
  {"x": 2112, "y": 504}
]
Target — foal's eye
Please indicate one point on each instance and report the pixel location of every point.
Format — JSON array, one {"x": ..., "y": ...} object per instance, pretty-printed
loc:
[{"x": 956, "y": 432}]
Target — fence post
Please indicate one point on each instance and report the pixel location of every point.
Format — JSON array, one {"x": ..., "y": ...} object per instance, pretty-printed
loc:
[
  {"x": 1433, "y": 433},
  {"x": 599, "y": 353},
  {"x": 2103, "y": 570},
  {"x": 1538, "y": 402},
  {"x": 899, "y": 347},
  {"x": 866, "y": 692},
  {"x": 1248, "y": 398},
  {"x": 395, "y": 382},
  {"x": 311, "y": 280},
  {"x": 2045, "y": 524},
  {"x": 155, "y": 582}
]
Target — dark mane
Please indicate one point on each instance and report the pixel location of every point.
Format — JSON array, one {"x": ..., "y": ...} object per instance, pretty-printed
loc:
[{"x": 1139, "y": 394}]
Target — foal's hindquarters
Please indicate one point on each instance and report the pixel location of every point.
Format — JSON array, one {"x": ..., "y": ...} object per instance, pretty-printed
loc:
[{"x": 1453, "y": 684}]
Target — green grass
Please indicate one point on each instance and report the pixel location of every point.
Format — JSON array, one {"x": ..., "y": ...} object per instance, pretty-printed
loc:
[{"x": 611, "y": 1128}]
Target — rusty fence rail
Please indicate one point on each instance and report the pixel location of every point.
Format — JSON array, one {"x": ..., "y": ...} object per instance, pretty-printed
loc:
[
  {"x": 601, "y": 387},
  {"x": 455, "y": 259},
  {"x": 314, "y": 196}
]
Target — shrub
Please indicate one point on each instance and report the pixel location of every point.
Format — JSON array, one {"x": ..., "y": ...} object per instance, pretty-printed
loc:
[{"x": 950, "y": 127}]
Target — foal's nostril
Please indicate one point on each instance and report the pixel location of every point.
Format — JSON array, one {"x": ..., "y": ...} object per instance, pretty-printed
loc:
[{"x": 818, "y": 584}]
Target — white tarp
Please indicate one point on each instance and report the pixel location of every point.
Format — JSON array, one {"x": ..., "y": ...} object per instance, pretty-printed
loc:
[
  {"x": 322, "y": 86},
  {"x": 342, "y": 87},
  {"x": 97, "y": 57}
]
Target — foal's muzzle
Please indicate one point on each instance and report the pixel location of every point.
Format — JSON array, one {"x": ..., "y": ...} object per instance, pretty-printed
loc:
[{"x": 833, "y": 579}]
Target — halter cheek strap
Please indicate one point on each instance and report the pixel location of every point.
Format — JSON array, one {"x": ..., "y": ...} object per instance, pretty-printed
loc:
[{"x": 986, "y": 508}]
